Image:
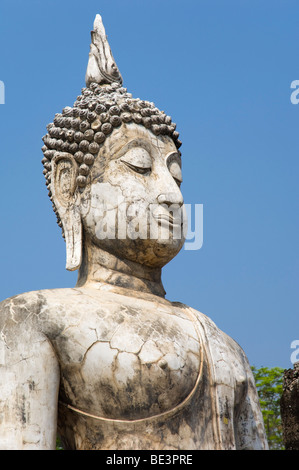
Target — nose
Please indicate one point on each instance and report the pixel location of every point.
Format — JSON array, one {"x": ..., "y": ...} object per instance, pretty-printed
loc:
[{"x": 171, "y": 198}]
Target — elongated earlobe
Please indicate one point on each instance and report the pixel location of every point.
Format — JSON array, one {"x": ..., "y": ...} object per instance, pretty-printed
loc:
[
  {"x": 73, "y": 237},
  {"x": 63, "y": 187}
]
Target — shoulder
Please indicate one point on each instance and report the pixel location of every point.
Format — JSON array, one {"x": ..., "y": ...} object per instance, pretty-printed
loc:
[
  {"x": 24, "y": 346},
  {"x": 36, "y": 301},
  {"x": 29, "y": 303},
  {"x": 32, "y": 309},
  {"x": 49, "y": 311},
  {"x": 29, "y": 322}
]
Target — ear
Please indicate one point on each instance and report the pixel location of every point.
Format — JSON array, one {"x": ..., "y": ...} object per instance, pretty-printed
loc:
[{"x": 63, "y": 188}]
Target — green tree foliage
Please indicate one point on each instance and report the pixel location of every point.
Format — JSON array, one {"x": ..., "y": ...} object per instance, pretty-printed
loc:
[
  {"x": 269, "y": 387},
  {"x": 58, "y": 443}
]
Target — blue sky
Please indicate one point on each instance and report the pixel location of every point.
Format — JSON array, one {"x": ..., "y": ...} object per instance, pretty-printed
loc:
[{"x": 223, "y": 71}]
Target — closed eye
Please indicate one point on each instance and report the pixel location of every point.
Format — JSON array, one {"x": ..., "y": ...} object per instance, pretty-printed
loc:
[
  {"x": 175, "y": 171},
  {"x": 138, "y": 159},
  {"x": 178, "y": 182},
  {"x": 138, "y": 169}
]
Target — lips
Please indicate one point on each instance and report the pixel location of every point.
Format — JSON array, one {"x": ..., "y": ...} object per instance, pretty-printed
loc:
[{"x": 168, "y": 219}]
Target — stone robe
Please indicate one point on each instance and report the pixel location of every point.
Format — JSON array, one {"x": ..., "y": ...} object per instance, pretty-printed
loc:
[{"x": 122, "y": 370}]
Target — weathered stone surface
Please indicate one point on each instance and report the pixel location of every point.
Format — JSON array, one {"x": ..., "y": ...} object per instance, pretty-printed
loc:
[
  {"x": 290, "y": 408},
  {"x": 111, "y": 362},
  {"x": 153, "y": 373}
]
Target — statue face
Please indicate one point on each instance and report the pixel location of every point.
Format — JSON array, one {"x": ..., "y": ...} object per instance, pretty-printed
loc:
[{"x": 133, "y": 207}]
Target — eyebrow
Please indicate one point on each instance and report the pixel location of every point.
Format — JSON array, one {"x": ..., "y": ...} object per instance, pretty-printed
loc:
[{"x": 138, "y": 142}]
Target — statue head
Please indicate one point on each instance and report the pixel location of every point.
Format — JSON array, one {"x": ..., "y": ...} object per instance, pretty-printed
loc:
[{"x": 113, "y": 169}]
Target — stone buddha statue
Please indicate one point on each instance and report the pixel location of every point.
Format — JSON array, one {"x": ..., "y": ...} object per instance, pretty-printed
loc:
[{"x": 111, "y": 363}]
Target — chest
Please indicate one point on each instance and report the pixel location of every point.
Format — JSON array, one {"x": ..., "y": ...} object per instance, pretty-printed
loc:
[{"x": 128, "y": 361}]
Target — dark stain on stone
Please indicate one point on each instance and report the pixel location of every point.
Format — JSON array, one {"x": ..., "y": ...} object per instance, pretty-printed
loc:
[
  {"x": 23, "y": 410},
  {"x": 31, "y": 385},
  {"x": 174, "y": 424},
  {"x": 180, "y": 305},
  {"x": 163, "y": 365}
]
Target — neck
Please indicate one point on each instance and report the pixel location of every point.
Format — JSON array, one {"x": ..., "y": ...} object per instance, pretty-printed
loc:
[{"x": 101, "y": 267}]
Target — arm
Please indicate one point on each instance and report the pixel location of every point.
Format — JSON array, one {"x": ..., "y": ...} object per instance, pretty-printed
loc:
[
  {"x": 250, "y": 431},
  {"x": 29, "y": 381}
]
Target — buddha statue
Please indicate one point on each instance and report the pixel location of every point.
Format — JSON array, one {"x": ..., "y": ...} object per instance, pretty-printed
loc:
[{"x": 111, "y": 363}]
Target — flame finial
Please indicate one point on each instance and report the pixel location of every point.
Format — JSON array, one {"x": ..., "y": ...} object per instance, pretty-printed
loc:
[{"x": 101, "y": 68}]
